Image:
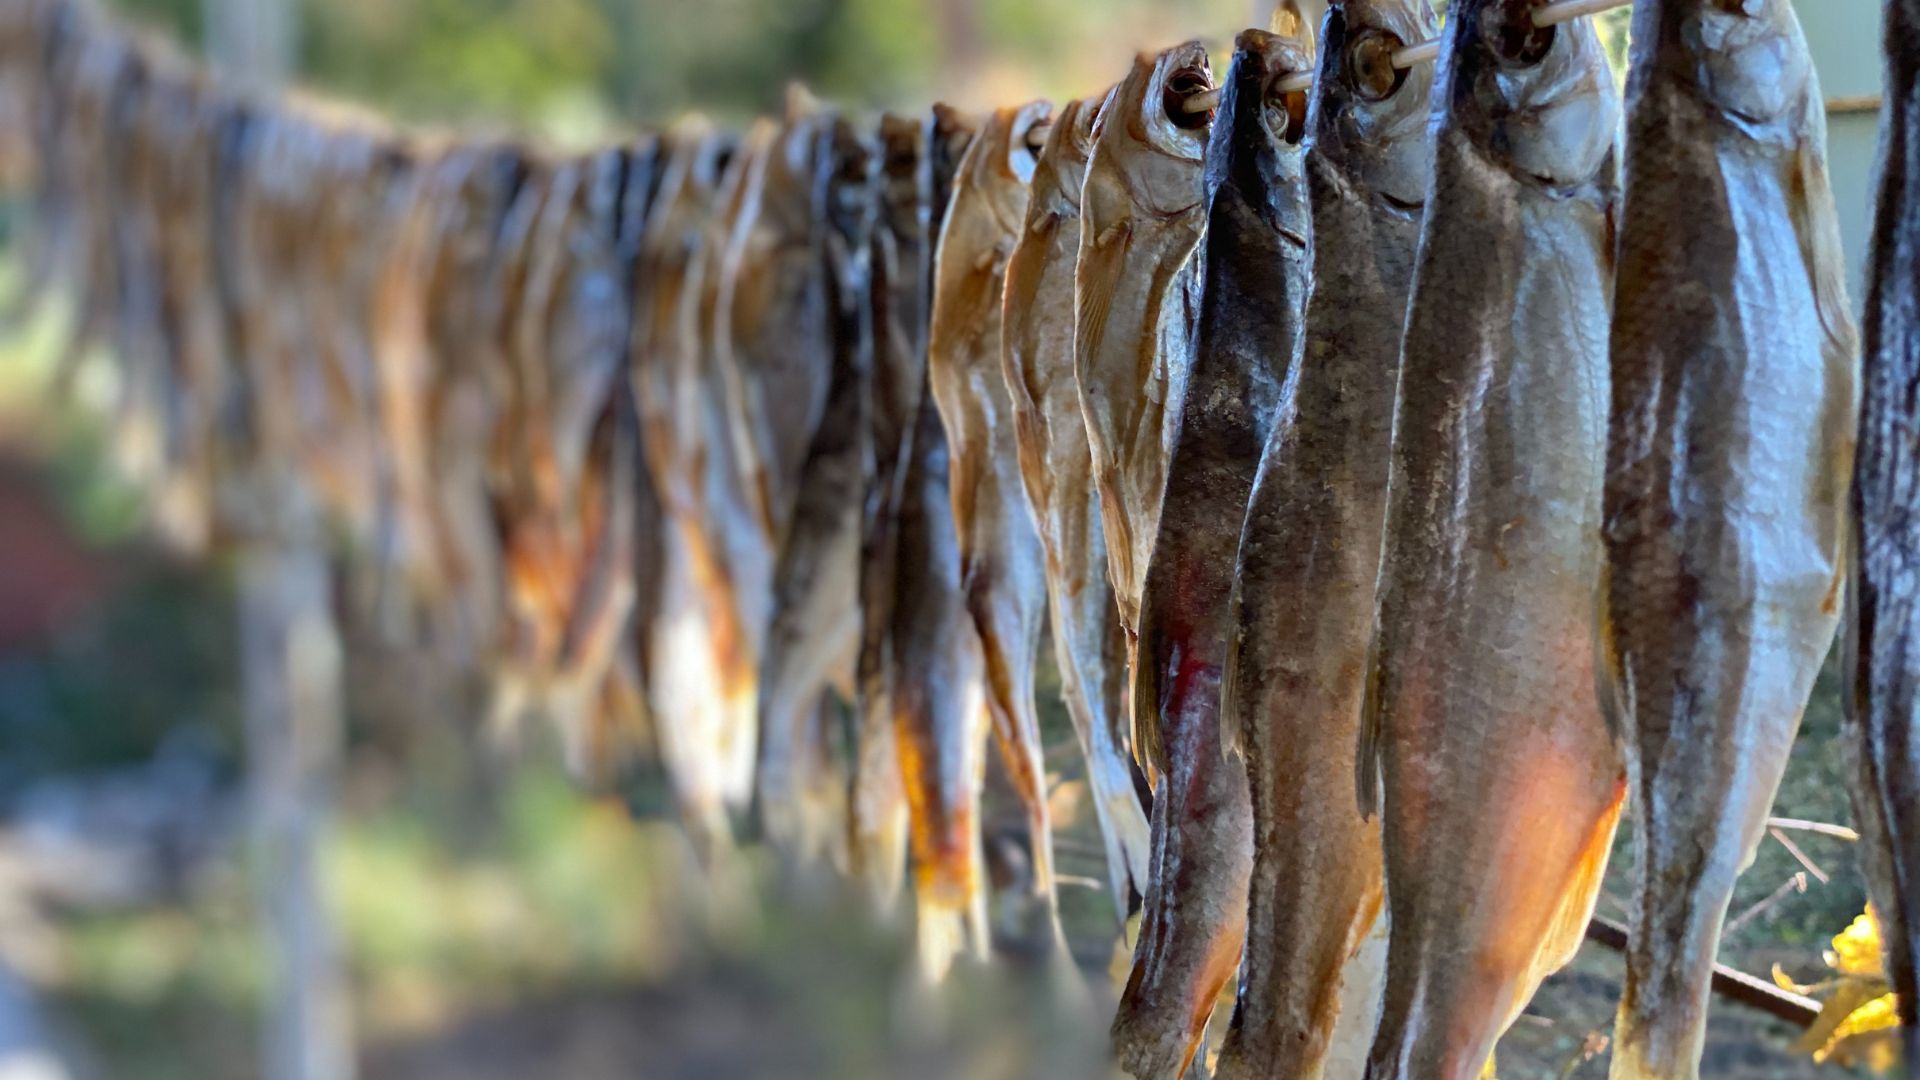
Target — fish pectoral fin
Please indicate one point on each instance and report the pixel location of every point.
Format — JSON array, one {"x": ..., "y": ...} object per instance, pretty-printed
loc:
[
  {"x": 1819, "y": 231},
  {"x": 1366, "y": 762},
  {"x": 1231, "y": 745},
  {"x": 1148, "y": 748},
  {"x": 1613, "y": 683}
]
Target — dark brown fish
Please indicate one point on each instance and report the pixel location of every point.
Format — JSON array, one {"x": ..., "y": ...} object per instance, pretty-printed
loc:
[
  {"x": 1735, "y": 385},
  {"x": 814, "y": 640},
  {"x": 1253, "y": 290},
  {"x": 1001, "y": 562},
  {"x": 1056, "y": 471},
  {"x": 1503, "y": 780},
  {"x": 1309, "y": 559},
  {"x": 878, "y": 817},
  {"x": 1883, "y": 632}
]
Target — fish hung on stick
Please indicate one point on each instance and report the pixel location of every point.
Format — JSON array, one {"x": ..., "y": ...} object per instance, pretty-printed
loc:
[
  {"x": 1735, "y": 382},
  {"x": 1499, "y": 779},
  {"x": 1309, "y": 560},
  {"x": 1001, "y": 560},
  {"x": 1056, "y": 471}
]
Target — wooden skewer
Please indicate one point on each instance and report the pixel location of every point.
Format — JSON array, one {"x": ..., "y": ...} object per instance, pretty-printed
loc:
[{"x": 1421, "y": 52}]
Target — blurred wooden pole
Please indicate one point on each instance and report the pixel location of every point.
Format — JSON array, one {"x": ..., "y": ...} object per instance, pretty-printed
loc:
[
  {"x": 290, "y": 663},
  {"x": 290, "y": 669}
]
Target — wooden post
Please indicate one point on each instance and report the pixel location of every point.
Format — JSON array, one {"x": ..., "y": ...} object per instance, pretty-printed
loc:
[
  {"x": 290, "y": 670},
  {"x": 290, "y": 662}
]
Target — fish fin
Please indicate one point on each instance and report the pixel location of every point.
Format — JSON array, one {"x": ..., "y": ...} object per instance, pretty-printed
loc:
[
  {"x": 1231, "y": 744},
  {"x": 1366, "y": 762},
  {"x": 1148, "y": 748},
  {"x": 1095, "y": 279},
  {"x": 1613, "y": 686},
  {"x": 1819, "y": 231}
]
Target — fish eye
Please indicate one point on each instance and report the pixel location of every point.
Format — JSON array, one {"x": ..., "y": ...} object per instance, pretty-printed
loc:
[
  {"x": 1370, "y": 69},
  {"x": 1514, "y": 38}
]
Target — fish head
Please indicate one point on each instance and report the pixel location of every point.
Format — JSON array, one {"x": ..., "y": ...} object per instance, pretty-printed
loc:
[
  {"x": 852, "y": 166},
  {"x": 1537, "y": 101},
  {"x": 903, "y": 150},
  {"x": 1748, "y": 57},
  {"x": 1062, "y": 165},
  {"x": 1152, "y": 138},
  {"x": 1258, "y": 136},
  {"x": 1368, "y": 117},
  {"x": 1002, "y": 163},
  {"x": 949, "y": 133}
]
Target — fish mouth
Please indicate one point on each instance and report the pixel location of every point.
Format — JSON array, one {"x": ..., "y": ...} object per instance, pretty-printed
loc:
[
  {"x": 1293, "y": 238},
  {"x": 1184, "y": 83}
]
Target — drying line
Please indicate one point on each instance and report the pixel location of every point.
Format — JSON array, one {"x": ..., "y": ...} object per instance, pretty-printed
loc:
[{"x": 1421, "y": 52}]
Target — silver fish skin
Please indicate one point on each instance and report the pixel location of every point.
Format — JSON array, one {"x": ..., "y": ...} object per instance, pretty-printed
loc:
[
  {"x": 1735, "y": 383},
  {"x": 1253, "y": 291},
  {"x": 1056, "y": 470},
  {"x": 813, "y": 642},
  {"x": 1882, "y": 660},
  {"x": 1309, "y": 560},
  {"x": 1502, "y": 779},
  {"x": 1142, "y": 214}
]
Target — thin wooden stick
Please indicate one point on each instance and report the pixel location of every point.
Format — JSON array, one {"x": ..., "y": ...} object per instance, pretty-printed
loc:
[
  {"x": 1793, "y": 849},
  {"x": 1735, "y": 985},
  {"x": 1423, "y": 51},
  {"x": 1840, "y": 832}
]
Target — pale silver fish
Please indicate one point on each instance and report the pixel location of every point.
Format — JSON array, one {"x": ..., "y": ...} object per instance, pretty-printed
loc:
[{"x": 1056, "y": 471}]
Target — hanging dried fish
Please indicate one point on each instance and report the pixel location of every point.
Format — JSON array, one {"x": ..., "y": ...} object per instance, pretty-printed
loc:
[
  {"x": 1056, "y": 472},
  {"x": 1310, "y": 557},
  {"x": 1880, "y": 656},
  {"x": 814, "y": 641},
  {"x": 1735, "y": 385},
  {"x": 878, "y": 808},
  {"x": 1001, "y": 562},
  {"x": 1136, "y": 297},
  {"x": 1502, "y": 780}
]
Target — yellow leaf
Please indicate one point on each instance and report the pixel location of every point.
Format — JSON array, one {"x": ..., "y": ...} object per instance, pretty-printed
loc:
[
  {"x": 1851, "y": 996},
  {"x": 1856, "y": 950},
  {"x": 1867, "y": 1036}
]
